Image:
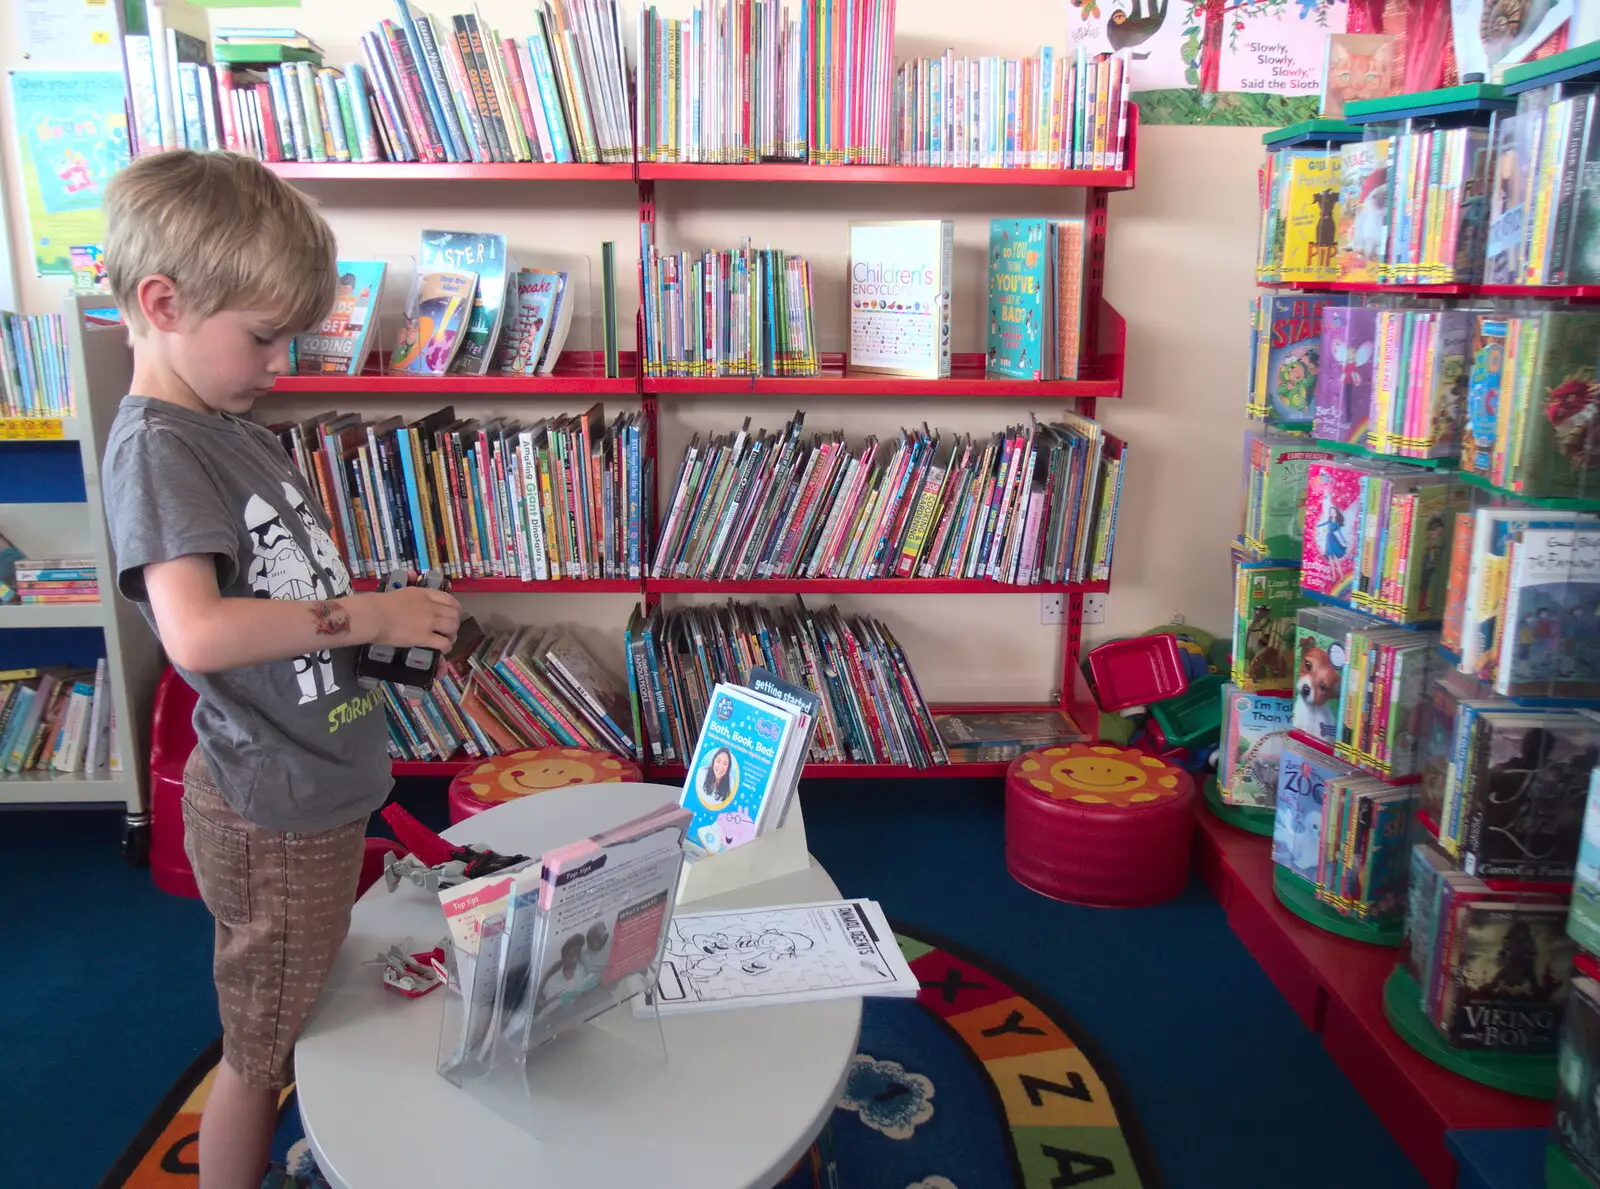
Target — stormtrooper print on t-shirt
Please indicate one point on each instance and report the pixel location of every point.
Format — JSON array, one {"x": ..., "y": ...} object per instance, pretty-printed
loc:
[{"x": 280, "y": 569}]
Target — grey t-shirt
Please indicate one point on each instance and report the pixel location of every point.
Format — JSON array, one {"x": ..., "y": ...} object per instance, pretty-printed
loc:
[{"x": 297, "y": 744}]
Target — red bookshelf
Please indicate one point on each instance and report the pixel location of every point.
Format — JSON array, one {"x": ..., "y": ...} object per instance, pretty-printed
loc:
[
  {"x": 901, "y": 175},
  {"x": 1335, "y": 985},
  {"x": 581, "y": 374},
  {"x": 394, "y": 171},
  {"x": 577, "y": 373}
]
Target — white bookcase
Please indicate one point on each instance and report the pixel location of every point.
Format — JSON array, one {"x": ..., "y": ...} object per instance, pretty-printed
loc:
[{"x": 102, "y": 366}]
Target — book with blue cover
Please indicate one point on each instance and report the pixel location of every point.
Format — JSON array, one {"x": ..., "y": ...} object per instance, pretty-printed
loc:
[
  {"x": 1303, "y": 775},
  {"x": 1019, "y": 299},
  {"x": 486, "y": 254},
  {"x": 341, "y": 344},
  {"x": 743, "y": 768}
]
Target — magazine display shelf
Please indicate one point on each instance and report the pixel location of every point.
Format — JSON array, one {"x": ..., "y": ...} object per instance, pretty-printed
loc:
[{"x": 582, "y": 373}]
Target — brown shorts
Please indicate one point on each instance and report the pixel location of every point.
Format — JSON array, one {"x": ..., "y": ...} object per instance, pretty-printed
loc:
[{"x": 282, "y": 908}]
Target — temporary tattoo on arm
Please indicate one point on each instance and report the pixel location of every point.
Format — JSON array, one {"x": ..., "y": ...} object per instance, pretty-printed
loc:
[{"x": 332, "y": 619}]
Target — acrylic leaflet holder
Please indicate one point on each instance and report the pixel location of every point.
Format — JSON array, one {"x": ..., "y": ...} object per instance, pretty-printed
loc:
[
  {"x": 551, "y": 1050},
  {"x": 778, "y": 852}
]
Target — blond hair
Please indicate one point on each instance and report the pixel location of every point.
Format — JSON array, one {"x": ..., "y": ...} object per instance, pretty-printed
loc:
[{"x": 226, "y": 231}]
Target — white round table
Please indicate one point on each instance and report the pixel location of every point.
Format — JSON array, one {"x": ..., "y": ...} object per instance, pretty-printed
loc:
[{"x": 741, "y": 1097}]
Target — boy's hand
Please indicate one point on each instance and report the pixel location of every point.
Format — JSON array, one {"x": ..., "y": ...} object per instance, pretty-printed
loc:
[{"x": 415, "y": 617}]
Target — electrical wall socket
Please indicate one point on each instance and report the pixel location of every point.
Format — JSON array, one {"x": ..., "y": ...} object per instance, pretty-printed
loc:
[
  {"x": 1094, "y": 608},
  {"x": 1052, "y": 608}
]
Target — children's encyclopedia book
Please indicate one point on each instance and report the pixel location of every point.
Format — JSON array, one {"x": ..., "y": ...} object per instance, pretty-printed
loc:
[{"x": 900, "y": 297}]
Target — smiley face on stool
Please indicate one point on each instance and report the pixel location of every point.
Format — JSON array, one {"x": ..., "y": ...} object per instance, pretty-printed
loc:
[
  {"x": 523, "y": 773},
  {"x": 1100, "y": 775}
]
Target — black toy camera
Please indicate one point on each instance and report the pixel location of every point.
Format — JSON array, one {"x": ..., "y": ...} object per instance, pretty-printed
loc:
[{"x": 409, "y": 670}]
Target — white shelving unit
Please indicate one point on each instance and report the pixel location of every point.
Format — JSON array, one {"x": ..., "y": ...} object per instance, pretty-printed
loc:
[{"x": 102, "y": 367}]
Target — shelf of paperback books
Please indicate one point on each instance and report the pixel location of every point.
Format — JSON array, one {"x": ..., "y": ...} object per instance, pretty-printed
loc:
[
  {"x": 517, "y": 586},
  {"x": 1581, "y": 293},
  {"x": 576, "y": 373},
  {"x": 903, "y": 175},
  {"x": 806, "y": 586},
  {"x": 487, "y": 171}
]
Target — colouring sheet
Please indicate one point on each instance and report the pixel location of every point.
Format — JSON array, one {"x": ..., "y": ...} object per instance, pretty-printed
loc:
[{"x": 783, "y": 954}]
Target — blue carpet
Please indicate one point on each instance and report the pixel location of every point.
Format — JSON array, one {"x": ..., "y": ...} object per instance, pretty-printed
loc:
[{"x": 110, "y": 998}]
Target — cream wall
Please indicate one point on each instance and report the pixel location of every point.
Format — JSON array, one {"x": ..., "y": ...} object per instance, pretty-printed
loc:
[{"x": 1179, "y": 269}]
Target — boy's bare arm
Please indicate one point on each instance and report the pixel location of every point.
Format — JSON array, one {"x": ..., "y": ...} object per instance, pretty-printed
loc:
[{"x": 204, "y": 632}]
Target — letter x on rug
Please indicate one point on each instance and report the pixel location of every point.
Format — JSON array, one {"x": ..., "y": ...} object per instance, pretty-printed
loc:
[{"x": 981, "y": 1082}]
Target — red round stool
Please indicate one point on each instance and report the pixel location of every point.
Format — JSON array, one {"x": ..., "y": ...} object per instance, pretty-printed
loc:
[
  {"x": 524, "y": 773},
  {"x": 1094, "y": 824}
]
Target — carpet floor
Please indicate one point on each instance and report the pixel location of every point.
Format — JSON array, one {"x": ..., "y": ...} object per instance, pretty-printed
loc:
[{"x": 110, "y": 998}]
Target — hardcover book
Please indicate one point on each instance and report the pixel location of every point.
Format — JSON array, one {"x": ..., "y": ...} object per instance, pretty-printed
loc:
[
  {"x": 441, "y": 304},
  {"x": 1288, "y": 358},
  {"x": 483, "y": 253},
  {"x": 341, "y": 344},
  {"x": 900, "y": 297},
  {"x": 1254, "y": 730}
]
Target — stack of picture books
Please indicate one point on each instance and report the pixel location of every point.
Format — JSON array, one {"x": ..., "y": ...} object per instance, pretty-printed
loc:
[
  {"x": 1490, "y": 964},
  {"x": 741, "y": 312},
  {"x": 1255, "y": 727},
  {"x": 560, "y": 497},
  {"x": 1286, "y": 358},
  {"x": 46, "y": 580},
  {"x": 1522, "y": 609},
  {"x": 1343, "y": 833},
  {"x": 746, "y": 765},
  {"x": 1036, "y": 310},
  {"x": 1512, "y": 800},
  {"x": 503, "y": 690},
  {"x": 445, "y": 89},
  {"x": 1378, "y": 536},
  {"x": 1036, "y": 503},
  {"x": 1276, "y": 468},
  {"x": 540, "y": 948},
  {"x": 35, "y": 374},
  {"x": 741, "y": 81},
  {"x": 870, "y": 709},
  {"x": 1531, "y": 402},
  {"x": 1048, "y": 111},
  {"x": 55, "y": 719}
]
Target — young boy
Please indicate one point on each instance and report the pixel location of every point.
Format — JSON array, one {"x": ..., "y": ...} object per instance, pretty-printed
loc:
[{"x": 216, "y": 264}]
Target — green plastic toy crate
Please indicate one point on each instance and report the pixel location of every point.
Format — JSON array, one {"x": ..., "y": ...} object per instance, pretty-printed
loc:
[{"x": 1193, "y": 717}]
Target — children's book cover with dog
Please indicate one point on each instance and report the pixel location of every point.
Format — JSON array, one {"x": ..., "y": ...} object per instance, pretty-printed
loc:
[
  {"x": 1266, "y": 598},
  {"x": 1551, "y": 643},
  {"x": 441, "y": 303},
  {"x": 1254, "y": 730},
  {"x": 1525, "y": 785},
  {"x": 1558, "y": 428},
  {"x": 1320, "y": 656},
  {"x": 1311, "y": 237},
  {"x": 1508, "y": 977},
  {"x": 1363, "y": 209},
  {"x": 1333, "y": 524},
  {"x": 1287, "y": 358},
  {"x": 1344, "y": 379},
  {"x": 1303, "y": 775}
]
